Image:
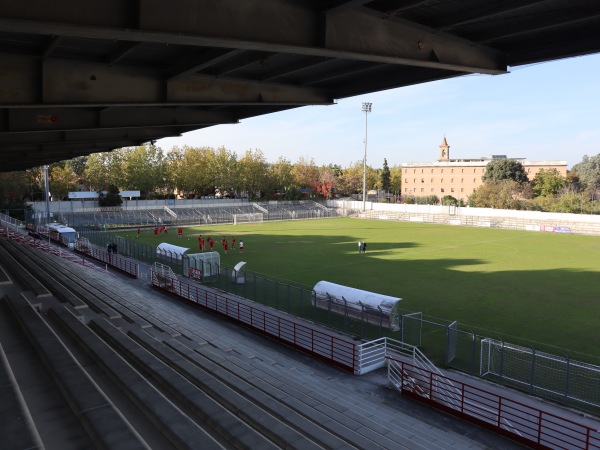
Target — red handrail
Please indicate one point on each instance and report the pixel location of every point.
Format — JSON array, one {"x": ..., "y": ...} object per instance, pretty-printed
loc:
[
  {"x": 519, "y": 421},
  {"x": 320, "y": 344}
]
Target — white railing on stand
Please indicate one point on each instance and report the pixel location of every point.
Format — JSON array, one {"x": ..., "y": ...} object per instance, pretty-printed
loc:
[{"x": 384, "y": 351}]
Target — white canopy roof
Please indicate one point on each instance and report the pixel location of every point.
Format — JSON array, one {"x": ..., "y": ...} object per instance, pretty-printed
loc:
[
  {"x": 354, "y": 296},
  {"x": 170, "y": 250}
]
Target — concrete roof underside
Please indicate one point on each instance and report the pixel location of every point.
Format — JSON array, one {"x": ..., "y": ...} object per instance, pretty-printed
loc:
[{"x": 79, "y": 77}]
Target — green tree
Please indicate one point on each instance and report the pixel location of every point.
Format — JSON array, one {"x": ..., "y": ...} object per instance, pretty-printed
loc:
[
  {"x": 396, "y": 179},
  {"x": 13, "y": 187},
  {"x": 305, "y": 172},
  {"x": 224, "y": 171},
  {"x": 571, "y": 202},
  {"x": 144, "y": 169},
  {"x": 351, "y": 179},
  {"x": 281, "y": 176},
  {"x": 102, "y": 170},
  {"x": 62, "y": 180},
  {"x": 500, "y": 194},
  {"x": 505, "y": 169},
  {"x": 547, "y": 183},
  {"x": 254, "y": 173},
  {"x": 77, "y": 165},
  {"x": 111, "y": 197},
  {"x": 449, "y": 200},
  {"x": 588, "y": 171},
  {"x": 386, "y": 176},
  {"x": 189, "y": 170}
]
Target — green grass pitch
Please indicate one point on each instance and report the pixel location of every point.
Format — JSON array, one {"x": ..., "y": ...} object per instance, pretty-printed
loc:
[{"x": 530, "y": 288}]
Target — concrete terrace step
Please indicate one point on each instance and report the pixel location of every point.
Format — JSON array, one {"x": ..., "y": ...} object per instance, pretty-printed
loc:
[
  {"x": 97, "y": 415},
  {"x": 306, "y": 384},
  {"x": 21, "y": 433},
  {"x": 253, "y": 427},
  {"x": 19, "y": 271},
  {"x": 172, "y": 422},
  {"x": 236, "y": 392},
  {"x": 323, "y": 410}
]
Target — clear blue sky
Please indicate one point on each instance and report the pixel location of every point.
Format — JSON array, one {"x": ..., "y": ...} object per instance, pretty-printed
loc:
[{"x": 547, "y": 111}]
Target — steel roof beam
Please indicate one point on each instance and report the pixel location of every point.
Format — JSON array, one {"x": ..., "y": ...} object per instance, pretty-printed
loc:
[
  {"x": 82, "y": 83},
  {"x": 40, "y": 120},
  {"x": 349, "y": 35}
]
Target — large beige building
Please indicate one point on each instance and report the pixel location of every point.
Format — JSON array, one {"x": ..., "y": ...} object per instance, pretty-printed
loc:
[{"x": 459, "y": 177}]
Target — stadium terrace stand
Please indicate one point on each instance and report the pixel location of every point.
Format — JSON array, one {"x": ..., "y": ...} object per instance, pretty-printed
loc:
[
  {"x": 91, "y": 361},
  {"x": 194, "y": 213}
]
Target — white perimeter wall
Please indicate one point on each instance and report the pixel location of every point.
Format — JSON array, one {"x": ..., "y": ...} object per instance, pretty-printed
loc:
[{"x": 537, "y": 216}]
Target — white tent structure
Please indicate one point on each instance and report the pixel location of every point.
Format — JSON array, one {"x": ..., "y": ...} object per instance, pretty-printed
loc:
[
  {"x": 358, "y": 303},
  {"x": 170, "y": 251}
]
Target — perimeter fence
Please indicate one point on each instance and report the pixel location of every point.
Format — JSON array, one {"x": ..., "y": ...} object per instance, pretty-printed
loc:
[
  {"x": 448, "y": 344},
  {"x": 452, "y": 345}
]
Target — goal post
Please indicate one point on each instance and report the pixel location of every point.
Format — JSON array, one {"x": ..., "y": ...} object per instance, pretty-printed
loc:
[{"x": 248, "y": 218}]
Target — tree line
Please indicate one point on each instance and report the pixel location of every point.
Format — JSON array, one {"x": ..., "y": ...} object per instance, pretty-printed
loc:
[
  {"x": 194, "y": 172},
  {"x": 506, "y": 186}
]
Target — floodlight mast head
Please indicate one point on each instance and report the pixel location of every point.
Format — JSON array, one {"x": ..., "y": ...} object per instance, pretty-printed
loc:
[{"x": 366, "y": 108}]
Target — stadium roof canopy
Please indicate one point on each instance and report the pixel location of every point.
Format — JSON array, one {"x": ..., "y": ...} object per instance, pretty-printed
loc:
[{"x": 78, "y": 77}]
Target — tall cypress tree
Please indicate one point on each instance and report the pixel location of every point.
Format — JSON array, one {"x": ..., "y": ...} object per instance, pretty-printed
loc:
[{"x": 385, "y": 176}]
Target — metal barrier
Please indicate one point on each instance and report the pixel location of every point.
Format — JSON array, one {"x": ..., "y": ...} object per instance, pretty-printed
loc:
[
  {"x": 516, "y": 420},
  {"x": 323, "y": 345},
  {"x": 112, "y": 259}
]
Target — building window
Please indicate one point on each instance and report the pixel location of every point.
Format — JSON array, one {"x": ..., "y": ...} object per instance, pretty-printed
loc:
[
  {"x": 452, "y": 180},
  {"x": 451, "y": 189},
  {"x": 474, "y": 170},
  {"x": 442, "y": 180},
  {"x": 432, "y": 180},
  {"x": 452, "y": 171},
  {"x": 422, "y": 189},
  {"x": 442, "y": 190},
  {"x": 422, "y": 180},
  {"x": 414, "y": 170},
  {"x": 431, "y": 170},
  {"x": 462, "y": 170},
  {"x": 431, "y": 189},
  {"x": 462, "y": 179},
  {"x": 474, "y": 180},
  {"x": 462, "y": 189},
  {"x": 442, "y": 170},
  {"x": 421, "y": 170}
]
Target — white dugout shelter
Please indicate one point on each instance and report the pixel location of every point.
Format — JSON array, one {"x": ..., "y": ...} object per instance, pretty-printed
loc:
[
  {"x": 357, "y": 302},
  {"x": 202, "y": 265},
  {"x": 170, "y": 251}
]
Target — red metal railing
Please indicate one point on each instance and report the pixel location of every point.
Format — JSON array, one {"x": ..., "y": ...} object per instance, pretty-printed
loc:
[
  {"x": 318, "y": 343},
  {"x": 112, "y": 259},
  {"x": 519, "y": 421}
]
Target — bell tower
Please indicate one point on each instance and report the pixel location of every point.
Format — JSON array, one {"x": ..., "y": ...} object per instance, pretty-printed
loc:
[{"x": 444, "y": 150}]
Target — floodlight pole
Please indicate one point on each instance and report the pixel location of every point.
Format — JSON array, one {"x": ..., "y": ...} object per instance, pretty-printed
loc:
[{"x": 366, "y": 108}]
